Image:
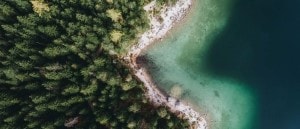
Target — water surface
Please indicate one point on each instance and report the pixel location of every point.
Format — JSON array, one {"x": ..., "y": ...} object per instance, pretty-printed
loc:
[
  {"x": 228, "y": 103},
  {"x": 237, "y": 60}
]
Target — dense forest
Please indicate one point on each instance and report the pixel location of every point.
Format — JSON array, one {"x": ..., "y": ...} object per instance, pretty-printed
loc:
[{"x": 60, "y": 67}]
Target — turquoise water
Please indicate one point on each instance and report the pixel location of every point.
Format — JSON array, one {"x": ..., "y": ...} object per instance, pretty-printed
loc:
[
  {"x": 180, "y": 59},
  {"x": 237, "y": 61}
]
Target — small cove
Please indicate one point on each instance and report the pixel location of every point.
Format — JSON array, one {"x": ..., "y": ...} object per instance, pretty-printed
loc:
[
  {"x": 225, "y": 101},
  {"x": 224, "y": 59}
]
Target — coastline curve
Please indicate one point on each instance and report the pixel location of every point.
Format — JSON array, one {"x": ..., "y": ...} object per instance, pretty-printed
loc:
[{"x": 171, "y": 15}]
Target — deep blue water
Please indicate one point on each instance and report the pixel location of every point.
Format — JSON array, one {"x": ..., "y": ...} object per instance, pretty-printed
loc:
[{"x": 260, "y": 45}]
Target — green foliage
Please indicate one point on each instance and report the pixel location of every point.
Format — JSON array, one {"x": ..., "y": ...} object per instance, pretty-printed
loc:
[
  {"x": 50, "y": 31},
  {"x": 7, "y": 100},
  {"x": 59, "y": 61},
  {"x": 55, "y": 51},
  {"x": 161, "y": 2},
  {"x": 134, "y": 108},
  {"x": 162, "y": 112},
  {"x": 6, "y": 11}
]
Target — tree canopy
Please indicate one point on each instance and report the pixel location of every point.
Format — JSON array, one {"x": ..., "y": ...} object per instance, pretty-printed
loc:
[{"x": 57, "y": 70}]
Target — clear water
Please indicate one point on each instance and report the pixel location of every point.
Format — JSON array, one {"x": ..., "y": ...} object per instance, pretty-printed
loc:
[
  {"x": 237, "y": 61},
  {"x": 179, "y": 59}
]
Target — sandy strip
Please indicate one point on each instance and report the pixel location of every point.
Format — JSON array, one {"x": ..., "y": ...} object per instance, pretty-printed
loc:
[{"x": 170, "y": 15}]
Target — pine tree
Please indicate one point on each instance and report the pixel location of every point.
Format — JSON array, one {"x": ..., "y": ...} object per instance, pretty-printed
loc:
[{"x": 6, "y": 12}]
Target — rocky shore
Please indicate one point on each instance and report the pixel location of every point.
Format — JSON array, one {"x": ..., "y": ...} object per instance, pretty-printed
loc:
[{"x": 160, "y": 24}]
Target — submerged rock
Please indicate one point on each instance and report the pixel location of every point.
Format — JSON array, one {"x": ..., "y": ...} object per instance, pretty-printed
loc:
[{"x": 176, "y": 91}]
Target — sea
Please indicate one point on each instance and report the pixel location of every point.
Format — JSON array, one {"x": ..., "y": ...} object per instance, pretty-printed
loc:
[{"x": 236, "y": 61}]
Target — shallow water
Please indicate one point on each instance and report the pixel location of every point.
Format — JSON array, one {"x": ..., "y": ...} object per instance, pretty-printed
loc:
[
  {"x": 228, "y": 103},
  {"x": 237, "y": 61}
]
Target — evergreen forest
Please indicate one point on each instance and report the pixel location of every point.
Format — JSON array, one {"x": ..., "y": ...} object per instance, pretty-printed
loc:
[{"x": 60, "y": 66}]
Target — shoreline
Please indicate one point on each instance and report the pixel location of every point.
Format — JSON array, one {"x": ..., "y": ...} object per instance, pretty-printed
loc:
[{"x": 158, "y": 30}]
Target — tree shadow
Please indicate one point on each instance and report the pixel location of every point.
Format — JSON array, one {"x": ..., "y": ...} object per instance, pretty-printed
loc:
[{"x": 260, "y": 45}]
